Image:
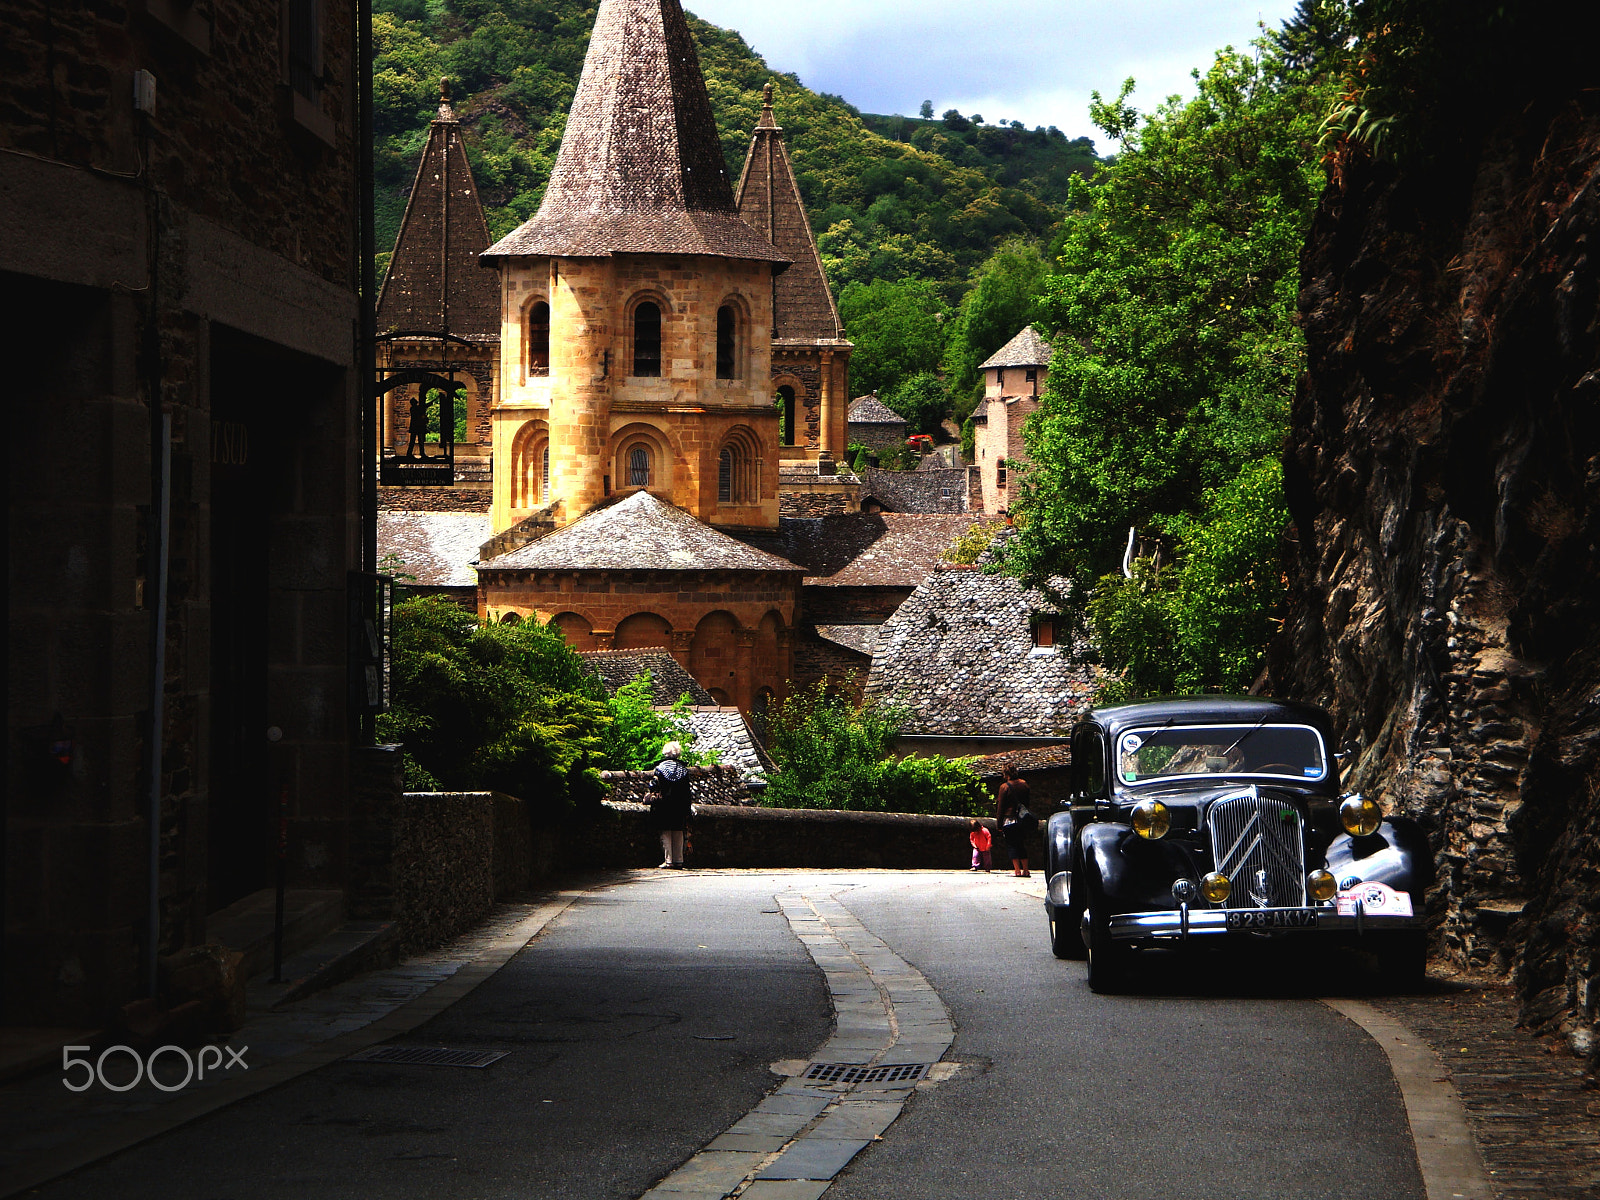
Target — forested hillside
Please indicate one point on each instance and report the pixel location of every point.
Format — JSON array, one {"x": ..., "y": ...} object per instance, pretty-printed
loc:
[
  {"x": 892, "y": 198},
  {"x": 921, "y": 223}
]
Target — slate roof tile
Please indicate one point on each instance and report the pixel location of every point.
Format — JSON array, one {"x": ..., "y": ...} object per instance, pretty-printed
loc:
[
  {"x": 639, "y": 533},
  {"x": 1027, "y": 349},
  {"x": 439, "y": 548},
  {"x": 960, "y": 654},
  {"x": 863, "y": 549},
  {"x": 668, "y": 679},
  {"x": 869, "y": 410}
]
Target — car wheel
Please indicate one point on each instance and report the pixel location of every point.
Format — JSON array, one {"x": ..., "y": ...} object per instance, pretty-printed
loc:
[
  {"x": 1402, "y": 959},
  {"x": 1066, "y": 930},
  {"x": 1108, "y": 962}
]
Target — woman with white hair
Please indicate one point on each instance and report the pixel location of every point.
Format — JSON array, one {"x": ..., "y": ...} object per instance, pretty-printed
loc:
[{"x": 670, "y": 803}]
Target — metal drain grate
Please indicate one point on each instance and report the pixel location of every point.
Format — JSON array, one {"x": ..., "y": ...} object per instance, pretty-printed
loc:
[
  {"x": 427, "y": 1056},
  {"x": 849, "y": 1073}
]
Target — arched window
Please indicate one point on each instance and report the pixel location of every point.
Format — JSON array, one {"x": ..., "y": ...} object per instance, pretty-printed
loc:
[
  {"x": 538, "y": 338},
  {"x": 639, "y": 467},
  {"x": 725, "y": 476},
  {"x": 727, "y": 342},
  {"x": 544, "y": 473},
  {"x": 785, "y": 405},
  {"x": 511, "y": 618},
  {"x": 647, "y": 340}
]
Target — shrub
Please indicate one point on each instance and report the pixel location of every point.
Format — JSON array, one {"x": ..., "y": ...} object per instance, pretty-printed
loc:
[{"x": 639, "y": 730}]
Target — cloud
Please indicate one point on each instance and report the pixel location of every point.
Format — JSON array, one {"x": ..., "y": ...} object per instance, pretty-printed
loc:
[{"x": 1034, "y": 61}]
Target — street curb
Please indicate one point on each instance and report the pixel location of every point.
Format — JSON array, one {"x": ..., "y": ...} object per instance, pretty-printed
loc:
[
  {"x": 403, "y": 1019},
  {"x": 1452, "y": 1168}
]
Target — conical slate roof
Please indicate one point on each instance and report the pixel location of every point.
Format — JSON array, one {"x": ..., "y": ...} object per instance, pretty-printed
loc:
[
  {"x": 1027, "y": 349},
  {"x": 641, "y": 168},
  {"x": 640, "y": 533},
  {"x": 434, "y": 284},
  {"x": 769, "y": 200}
]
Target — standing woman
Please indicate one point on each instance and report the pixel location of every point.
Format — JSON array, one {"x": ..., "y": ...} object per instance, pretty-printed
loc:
[
  {"x": 1017, "y": 822},
  {"x": 670, "y": 803}
]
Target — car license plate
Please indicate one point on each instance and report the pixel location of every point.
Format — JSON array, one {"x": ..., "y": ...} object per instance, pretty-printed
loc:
[{"x": 1272, "y": 918}]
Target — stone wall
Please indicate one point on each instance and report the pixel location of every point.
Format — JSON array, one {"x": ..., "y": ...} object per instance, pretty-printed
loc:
[
  {"x": 815, "y": 502},
  {"x": 708, "y": 785},
  {"x": 435, "y": 499},
  {"x": 789, "y": 837}
]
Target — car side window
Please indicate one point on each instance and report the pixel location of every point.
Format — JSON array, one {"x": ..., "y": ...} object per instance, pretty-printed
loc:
[{"x": 1094, "y": 765}]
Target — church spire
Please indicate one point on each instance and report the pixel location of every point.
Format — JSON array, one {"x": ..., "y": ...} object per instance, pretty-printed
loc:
[
  {"x": 769, "y": 200},
  {"x": 641, "y": 168},
  {"x": 433, "y": 284}
]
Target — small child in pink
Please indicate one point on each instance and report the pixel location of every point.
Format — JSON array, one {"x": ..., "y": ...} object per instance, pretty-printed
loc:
[{"x": 981, "y": 840}]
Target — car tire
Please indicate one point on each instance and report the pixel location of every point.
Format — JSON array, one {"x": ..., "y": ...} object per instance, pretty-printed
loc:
[
  {"x": 1402, "y": 960},
  {"x": 1066, "y": 930},
  {"x": 1108, "y": 962}
]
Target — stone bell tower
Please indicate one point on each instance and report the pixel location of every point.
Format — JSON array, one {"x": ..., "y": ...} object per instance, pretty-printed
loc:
[{"x": 636, "y": 306}]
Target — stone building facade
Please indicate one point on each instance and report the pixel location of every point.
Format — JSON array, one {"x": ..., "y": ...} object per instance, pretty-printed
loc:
[
  {"x": 178, "y": 206},
  {"x": 873, "y": 424},
  {"x": 1013, "y": 379},
  {"x": 439, "y": 311}
]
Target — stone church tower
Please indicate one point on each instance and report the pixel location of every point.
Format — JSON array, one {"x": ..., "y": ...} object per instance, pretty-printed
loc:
[
  {"x": 810, "y": 356},
  {"x": 636, "y": 306},
  {"x": 439, "y": 311}
]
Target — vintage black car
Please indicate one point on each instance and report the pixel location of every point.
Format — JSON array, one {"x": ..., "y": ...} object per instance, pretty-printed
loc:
[{"x": 1212, "y": 819}]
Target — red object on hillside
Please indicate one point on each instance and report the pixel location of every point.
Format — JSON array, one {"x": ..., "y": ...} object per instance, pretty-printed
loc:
[{"x": 920, "y": 441}]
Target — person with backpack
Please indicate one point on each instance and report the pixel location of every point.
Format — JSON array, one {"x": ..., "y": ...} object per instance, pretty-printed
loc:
[
  {"x": 1017, "y": 822},
  {"x": 670, "y": 803}
]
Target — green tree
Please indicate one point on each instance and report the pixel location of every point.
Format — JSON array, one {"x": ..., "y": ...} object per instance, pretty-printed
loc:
[
  {"x": 1005, "y": 298},
  {"x": 922, "y": 400},
  {"x": 639, "y": 729},
  {"x": 897, "y": 331},
  {"x": 926, "y": 111},
  {"x": 1174, "y": 297}
]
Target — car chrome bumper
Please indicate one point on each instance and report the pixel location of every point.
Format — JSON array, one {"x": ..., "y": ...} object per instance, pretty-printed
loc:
[{"x": 1181, "y": 924}]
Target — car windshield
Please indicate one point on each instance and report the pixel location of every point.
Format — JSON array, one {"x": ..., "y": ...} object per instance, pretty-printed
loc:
[{"x": 1282, "y": 751}]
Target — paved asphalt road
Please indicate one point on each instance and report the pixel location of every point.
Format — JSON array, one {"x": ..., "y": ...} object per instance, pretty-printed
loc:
[{"x": 641, "y": 1023}]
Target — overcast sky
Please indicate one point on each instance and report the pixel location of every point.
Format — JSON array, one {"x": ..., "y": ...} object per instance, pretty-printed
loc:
[{"x": 1034, "y": 61}]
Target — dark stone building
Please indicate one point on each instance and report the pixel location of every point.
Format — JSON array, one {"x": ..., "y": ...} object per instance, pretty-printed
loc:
[{"x": 178, "y": 250}]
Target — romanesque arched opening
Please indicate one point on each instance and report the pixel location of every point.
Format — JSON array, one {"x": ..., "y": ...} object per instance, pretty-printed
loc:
[
  {"x": 530, "y": 466},
  {"x": 714, "y": 653},
  {"x": 536, "y": 338},
  {"x": 739, "y": 465},
  {"x": 786, "y": 413},
  {"x": 576, "y": 629},
  {"x": 642, "y": 631},
  {"x": 647, "y": 340}
]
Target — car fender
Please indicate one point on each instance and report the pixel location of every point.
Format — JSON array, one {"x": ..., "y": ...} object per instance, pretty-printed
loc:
[
  {"x": 1397, "y": 855},
  {"x": 1100, "y": 844},
  {"x": 1059, "y": 857}
]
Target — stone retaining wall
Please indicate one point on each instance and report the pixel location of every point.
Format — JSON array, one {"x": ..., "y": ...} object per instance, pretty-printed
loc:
[
  {"x": 743, "y": 836},
  {"x": 707, "y": 785}
]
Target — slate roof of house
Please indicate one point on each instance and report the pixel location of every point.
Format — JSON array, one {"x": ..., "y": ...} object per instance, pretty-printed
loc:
[
  {"x": 1034, "y": 758},
  {"x": 1027, "y": 349},
  {"x": 668, "y": 679},
  {"x": 769, "y": 201},
  {"x": 434, "y": 282},
  {"x": 639, "y": 533},
  {"x": 917, "y": 491},
  {"x": 960, "y": 654},
  {"x": 641, "y": 168},
  {"x": 869, "y": 410},
  {"x": 863, "y": 549},
  {"x": 863, "y": 639},
  {"x": 725, "y": 729},
  {"x": 439, "y": 548}
]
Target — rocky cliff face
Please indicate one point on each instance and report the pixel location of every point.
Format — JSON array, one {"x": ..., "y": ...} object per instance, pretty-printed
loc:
[{"x": 1444, "y": 474}]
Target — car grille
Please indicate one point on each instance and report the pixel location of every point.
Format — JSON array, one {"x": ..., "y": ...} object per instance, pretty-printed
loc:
[{"x": 1256, "y": 843}]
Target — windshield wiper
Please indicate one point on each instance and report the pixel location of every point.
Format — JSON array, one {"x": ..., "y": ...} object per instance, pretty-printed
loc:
[
  {"x": 1152, "y": 734},
  {"x": 1244, "y": 735}
]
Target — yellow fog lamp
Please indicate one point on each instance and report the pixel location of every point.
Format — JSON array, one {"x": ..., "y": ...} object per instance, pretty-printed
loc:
[
  {"x": 1360, "y": 816},
  {"x": 1321, "y": 886},
  {"x": 1216, "y": 888},
  {"x": 1151, "y": 819}
]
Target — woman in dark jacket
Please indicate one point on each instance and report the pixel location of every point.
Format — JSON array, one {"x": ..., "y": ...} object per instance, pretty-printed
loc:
[
  {"x": 1017, "y": 822},
  {"x": 670, "y": 803}
]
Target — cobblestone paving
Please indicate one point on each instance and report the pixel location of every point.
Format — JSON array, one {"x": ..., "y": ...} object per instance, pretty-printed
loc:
[{"x": 1536, "y": 1124}]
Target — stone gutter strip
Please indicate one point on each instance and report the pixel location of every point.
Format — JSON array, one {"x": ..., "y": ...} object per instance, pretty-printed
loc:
[
  {"x": 285, "y": 1045},
  {"x": 1452, "y": 1168},
  {"x": 793, "y": 1144}
]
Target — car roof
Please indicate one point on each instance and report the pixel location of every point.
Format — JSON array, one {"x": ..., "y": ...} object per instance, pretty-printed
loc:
[{"x": 1201, "y": 710}]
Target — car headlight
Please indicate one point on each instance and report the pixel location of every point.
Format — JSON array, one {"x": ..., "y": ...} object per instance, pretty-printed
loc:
[
  {"x": 1360, "y": 816},
  {"x": 1321, "y": 886},
  {"x": 1216, "y": 888},
  {"x": 1151, "y": 819}
]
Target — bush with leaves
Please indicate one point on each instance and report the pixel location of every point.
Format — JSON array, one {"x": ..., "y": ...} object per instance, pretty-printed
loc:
[
  {"x": 505, "y": 707},
  {"x": 922, "y": 400},
  {"x": 639, "y": 729},
  {"x": 835, "y": 754}
]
